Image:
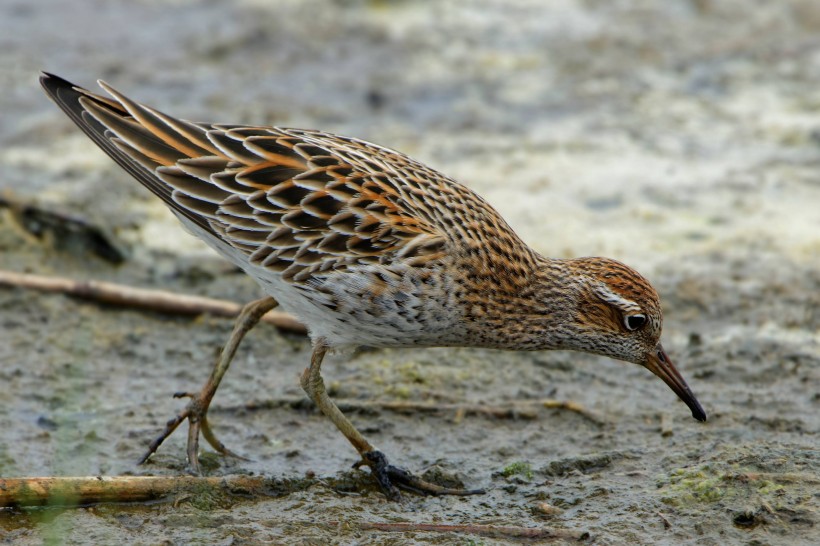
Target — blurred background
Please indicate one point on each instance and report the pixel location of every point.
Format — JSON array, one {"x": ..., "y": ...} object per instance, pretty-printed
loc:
[{"x": 680, "y": 137}]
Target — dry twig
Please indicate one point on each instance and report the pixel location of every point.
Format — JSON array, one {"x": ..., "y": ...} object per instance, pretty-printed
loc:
[
  {"x": 154, "y": 300},
  {"x": 494, "y": 531},
  {"x": 515, "y": 410},
  {"x": 84, "y": 490}
]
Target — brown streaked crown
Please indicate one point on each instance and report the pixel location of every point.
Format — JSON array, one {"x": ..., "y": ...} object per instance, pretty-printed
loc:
[{"x": 618, "y": 307}]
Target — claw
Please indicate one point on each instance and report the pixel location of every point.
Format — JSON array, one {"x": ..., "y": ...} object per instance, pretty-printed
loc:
[
  {"x": 379, "y": 467},
  {"x": 196, "y": 415},
  {"x": 197, "y": 409},
  {"x": 170, "y": 427},
  {"x": 183, "y": 394},
  {"x": 214, "y": 442},
  {"x": 390, "y": 478}
]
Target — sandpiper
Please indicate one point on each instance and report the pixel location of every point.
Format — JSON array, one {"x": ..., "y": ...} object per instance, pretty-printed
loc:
[{"x": 367, "y": 247}]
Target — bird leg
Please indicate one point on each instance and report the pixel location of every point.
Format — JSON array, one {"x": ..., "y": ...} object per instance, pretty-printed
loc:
[
  {"x": 196, "y": 410},
  {"x": 389, "y": 477}
]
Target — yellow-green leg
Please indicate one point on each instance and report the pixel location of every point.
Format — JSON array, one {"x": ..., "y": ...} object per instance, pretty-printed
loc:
[
  {"x": 388, "y": 476},
  {"x": 197, "y": 409}
]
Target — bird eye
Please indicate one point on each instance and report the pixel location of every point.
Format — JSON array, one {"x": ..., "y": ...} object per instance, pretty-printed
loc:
[{"x": 633, "y": 322}]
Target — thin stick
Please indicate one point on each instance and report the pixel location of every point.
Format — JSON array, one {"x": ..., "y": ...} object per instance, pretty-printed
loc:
[
  {"x": 155, "y": 300},
  {"x": 575, "y": 407},
  {"x": 84, "y": 490},
  {"x": 494, "y": 531},
  {"x": 515, "y": 410}
]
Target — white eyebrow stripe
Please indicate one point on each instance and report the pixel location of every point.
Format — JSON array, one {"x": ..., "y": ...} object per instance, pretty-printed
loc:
[{"x": 606, "y": 294}]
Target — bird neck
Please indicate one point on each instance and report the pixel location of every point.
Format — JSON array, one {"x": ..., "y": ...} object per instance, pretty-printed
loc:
[{"x": 529, "y": 308}]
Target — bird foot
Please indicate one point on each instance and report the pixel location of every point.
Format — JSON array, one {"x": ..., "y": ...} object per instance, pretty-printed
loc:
[
  {"x": 196, "y": 415},
  {"x": 390, "y": 478}
]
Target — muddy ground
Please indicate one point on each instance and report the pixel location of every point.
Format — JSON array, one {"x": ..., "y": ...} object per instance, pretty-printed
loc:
[{"x": 679, "y": 137}]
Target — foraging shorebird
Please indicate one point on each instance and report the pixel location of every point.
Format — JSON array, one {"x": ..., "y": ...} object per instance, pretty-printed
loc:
[{"x": 366, "y": 246}]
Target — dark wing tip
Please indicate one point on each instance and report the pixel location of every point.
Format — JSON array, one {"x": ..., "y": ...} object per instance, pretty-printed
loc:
[
  {"x": 65, "y": 95},
  {"x": 52, "y": 83},
  {"x": 70, "y": 98}
]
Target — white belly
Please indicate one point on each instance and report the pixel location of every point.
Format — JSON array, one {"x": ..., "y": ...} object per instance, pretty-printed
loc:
[{"x": 342, "y": 310}]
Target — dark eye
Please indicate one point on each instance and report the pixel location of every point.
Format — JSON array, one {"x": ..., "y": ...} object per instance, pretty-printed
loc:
[{"x": 633, "y": 322}]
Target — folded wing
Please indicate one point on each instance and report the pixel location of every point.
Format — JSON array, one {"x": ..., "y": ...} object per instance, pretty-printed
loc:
[{"x": 298, "y": 203}]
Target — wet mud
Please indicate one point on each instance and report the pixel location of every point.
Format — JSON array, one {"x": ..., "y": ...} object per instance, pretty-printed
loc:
[{"x": 678, "y": 137}]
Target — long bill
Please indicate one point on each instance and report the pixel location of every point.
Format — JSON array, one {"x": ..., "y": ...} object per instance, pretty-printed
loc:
[{"x": 659, "y": 364}]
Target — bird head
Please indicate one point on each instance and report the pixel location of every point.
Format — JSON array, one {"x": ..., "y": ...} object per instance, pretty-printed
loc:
[{"x": 618, "y": 314}]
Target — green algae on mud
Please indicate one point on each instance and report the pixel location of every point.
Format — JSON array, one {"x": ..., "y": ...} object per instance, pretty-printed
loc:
[{"x": 759, "y": 485}]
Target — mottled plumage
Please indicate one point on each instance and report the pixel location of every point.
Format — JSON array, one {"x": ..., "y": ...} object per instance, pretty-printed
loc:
[{"x": 369, "y": 247}]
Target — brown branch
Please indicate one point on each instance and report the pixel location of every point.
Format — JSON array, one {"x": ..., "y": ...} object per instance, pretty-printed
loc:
[
  {"x": 515, "y": 410},
  {"x": 575, "y": 407},
  {"x": 142, "y": 298},
  {"x": 74, "y": 491},
  {"x": 493, "y": 531}
]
